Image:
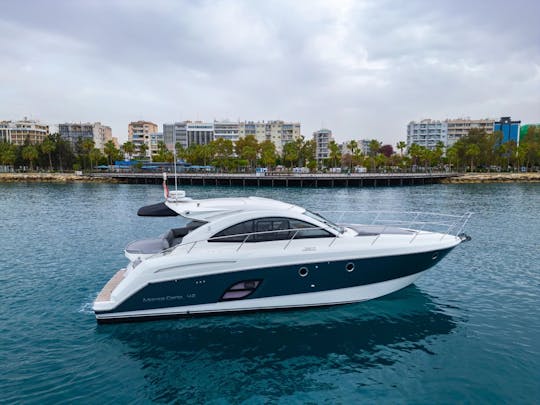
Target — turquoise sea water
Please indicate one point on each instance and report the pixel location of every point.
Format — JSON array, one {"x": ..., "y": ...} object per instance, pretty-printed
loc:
[{"x": 467, "y": 331}]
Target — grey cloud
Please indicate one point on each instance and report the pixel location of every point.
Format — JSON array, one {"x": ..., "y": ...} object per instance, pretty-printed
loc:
[{"x": 363, "y": 69}]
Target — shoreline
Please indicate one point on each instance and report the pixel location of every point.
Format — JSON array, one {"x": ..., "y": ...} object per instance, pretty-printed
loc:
[
  {"x": 478, "y": 178},
  {"x": 51, "y": 178},
  {"x": 466, "y": 178}
]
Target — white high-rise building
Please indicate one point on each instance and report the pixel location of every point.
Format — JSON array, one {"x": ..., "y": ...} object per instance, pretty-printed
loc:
[
  {"x": 17, "y": 132},
  {"x": 196, "y": 132},
  {"x": 199, "y": 133},
  {"x": 226, "y": 130},
  {"x": 186, "y": 133},
  {"x": 427, "y": 133},
  {"x": 322, "y": 139}
]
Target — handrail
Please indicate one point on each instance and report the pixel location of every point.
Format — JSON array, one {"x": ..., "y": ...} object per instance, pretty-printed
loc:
[{"x": 448, "y": 221}]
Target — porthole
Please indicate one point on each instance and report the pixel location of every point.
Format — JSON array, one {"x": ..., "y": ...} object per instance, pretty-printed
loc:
[
  {"x": 303, "y": 271},
  {"x": 349, "y": 267},
  {"x": 435, "y": 256}
]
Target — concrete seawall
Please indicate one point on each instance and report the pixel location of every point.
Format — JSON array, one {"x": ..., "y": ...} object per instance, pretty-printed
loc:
[
  {"x": 494, "y": 178},
  {"x": 51, "y": 178}
]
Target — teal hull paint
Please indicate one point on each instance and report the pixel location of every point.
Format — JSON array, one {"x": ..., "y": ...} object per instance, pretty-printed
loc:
[{"x": 278, "y": 281}]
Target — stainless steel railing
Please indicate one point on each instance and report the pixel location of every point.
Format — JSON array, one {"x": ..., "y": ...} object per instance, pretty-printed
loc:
[{"x": 413, "y": 222}]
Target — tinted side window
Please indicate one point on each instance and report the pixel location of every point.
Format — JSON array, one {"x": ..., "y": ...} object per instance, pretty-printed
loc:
[
  {"x": 227, "y": 235},
  {"x": 274, "y": 228},
  {"x": 308, "y": 233}
]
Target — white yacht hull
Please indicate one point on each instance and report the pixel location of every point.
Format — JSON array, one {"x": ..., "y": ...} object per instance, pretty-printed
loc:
[{"x": 314, "y": 299}]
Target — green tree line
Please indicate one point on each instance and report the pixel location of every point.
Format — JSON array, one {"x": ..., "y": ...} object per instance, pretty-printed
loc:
[{"x": 476, "y": 151}]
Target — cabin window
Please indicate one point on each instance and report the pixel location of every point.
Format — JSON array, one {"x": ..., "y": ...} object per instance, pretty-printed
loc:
[
  {"x": 269, "y": 229},
  {"x": 307, "y": 233},
  {"x": 272, "y": 229},
  {"x": 235, "y": 233}
]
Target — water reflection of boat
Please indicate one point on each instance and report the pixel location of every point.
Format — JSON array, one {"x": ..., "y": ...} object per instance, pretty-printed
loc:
[{"x": 238, "y": 357}]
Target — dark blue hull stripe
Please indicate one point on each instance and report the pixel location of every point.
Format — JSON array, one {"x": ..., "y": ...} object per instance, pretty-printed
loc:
[{"x": 278, "y": 281}]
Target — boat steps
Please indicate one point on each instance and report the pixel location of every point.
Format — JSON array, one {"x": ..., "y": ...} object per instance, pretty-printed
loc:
[{"x": 105, "y": 293}]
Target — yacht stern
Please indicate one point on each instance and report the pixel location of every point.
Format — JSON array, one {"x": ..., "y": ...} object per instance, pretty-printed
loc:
[{"x": 104, "y": 301}]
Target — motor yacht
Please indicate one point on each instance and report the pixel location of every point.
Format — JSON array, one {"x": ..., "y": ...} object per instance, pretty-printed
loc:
[{"x": 252, "y": 253}]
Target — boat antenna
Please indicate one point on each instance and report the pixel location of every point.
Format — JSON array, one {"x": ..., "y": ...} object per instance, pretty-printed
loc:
[{"x": 174, "y": 156}]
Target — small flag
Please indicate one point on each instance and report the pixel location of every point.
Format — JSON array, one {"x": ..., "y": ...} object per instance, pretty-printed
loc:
[{"x": 165, "y": 188}]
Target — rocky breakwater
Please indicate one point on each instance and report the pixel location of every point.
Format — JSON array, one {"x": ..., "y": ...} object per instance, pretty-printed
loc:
[
  {"x": 494, "y": 178},
  {"x": 51, "y": 178}
]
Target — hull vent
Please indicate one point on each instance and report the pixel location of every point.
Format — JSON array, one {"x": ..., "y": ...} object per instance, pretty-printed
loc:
[{"x": 241, "y": 290}]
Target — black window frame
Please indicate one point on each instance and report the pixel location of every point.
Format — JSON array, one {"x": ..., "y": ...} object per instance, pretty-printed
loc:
[{"x": 293, "y": 229}]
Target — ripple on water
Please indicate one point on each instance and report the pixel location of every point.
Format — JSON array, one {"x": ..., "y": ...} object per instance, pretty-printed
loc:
[{"x": 466, "y": 332}]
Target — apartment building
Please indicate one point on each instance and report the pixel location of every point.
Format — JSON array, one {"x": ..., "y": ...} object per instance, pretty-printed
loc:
[
  {"x": 278, "y": 132},
  {"x": 175, "y": 133},
  {"x": 73, "y": 131},
  {"x": 188, "y": 133},
  {"x": 227, "y": 130},
  {"x": 322, "y": 138},
  {"x": 362, "y": 146},
  {"x": 197, "y": 132},
  {"x": 427, "y": 133},
  {"x": 460, "y": 127},
  {"x": 155, "y": 139},
  {"x": 139, "y": 133},
  {"x": 17, "y": 132}
]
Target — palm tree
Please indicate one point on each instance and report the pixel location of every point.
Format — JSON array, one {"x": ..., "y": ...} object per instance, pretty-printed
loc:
[
  {"x": 94, "y": 155},
  {"x": 290, "y": 153},
  {"x": 374, "y": 146},
  {"x": 335, "y": 152},
  {"x": 352, "y": 146},
  {"x": 401, "y": 145},
  {"x": 48, "y": 146},
  {"x": 111, "y": 151},
  {"x": 472, "y": 152},
  {"x": 87, "y": 146},
  {"x": 417, "y": 153},
  {"x": 179, "y": 150},
  {"x": 143, "y": 147},
  {"x": 129, "y": 148},
  {"x": 307, "y": 153},
  {"x": 438, "y": 153},
  {"x": 8, "y": 153},
  {"x": 30, "y": 153}
]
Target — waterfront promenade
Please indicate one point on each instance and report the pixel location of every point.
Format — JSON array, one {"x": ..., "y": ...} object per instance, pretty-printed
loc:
[{"x": 283, "y": 179}]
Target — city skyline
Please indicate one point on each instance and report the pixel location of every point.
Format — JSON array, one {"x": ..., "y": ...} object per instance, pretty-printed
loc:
[{"x": 362, "y": 69}]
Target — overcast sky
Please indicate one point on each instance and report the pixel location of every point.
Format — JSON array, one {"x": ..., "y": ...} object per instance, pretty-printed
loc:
[{"x": 364, "y": 69}]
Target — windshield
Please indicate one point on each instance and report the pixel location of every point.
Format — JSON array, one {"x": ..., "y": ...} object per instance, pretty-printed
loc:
[{"x": 322, "y": 219}]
